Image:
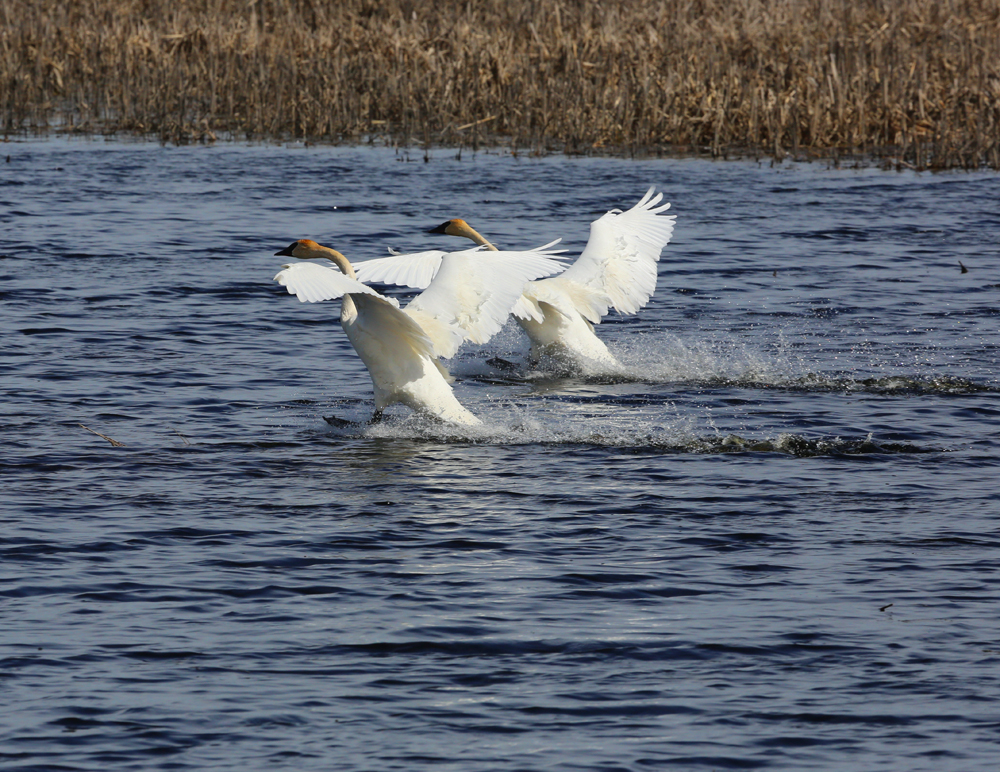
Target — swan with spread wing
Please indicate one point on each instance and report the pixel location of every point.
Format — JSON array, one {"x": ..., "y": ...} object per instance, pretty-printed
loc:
[
  {"x": 468, "y": 298},
  {"x": 616, "y": 270}
]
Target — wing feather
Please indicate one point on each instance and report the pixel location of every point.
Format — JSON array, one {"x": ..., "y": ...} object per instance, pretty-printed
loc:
[
  {"x": 620, "y": 258},
  {"x": 389, "y": 327},
  {"x": 566, "y": 297},
  {"x": 444, "y": 335},
  {"x": 413, "y": 270},
  {"x": 418, "y": 269},
  {"x": 314, "y": 282},
  {"x": 476, "y": 290}
]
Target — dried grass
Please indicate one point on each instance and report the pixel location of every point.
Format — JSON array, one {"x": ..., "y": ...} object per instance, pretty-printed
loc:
[{"x": 915, "y": 81}]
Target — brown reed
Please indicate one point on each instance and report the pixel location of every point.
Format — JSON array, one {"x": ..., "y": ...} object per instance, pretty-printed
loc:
[{"x": 916, "y": 82}]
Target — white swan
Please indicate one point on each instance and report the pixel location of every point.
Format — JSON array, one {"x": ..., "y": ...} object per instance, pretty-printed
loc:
[
  {"x": 617, "y": 269},
  {"x": 468, "y": 299}
]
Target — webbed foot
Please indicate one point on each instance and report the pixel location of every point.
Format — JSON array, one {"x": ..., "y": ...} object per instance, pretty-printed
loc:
[{"x": 501, "y": 364}]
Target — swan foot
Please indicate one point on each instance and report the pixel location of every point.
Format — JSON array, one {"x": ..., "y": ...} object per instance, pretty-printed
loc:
[
  {"x": 376, "y": 416},
  {"x": 340, "y": 423},
  {"x": 502, "y": 364}
]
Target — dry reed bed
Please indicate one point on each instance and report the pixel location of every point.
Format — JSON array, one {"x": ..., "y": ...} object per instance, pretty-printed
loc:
[{"x": 916, "y": 80}]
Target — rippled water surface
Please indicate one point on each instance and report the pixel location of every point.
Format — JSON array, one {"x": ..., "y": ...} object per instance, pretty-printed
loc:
[{"x": 773, "y": 546}]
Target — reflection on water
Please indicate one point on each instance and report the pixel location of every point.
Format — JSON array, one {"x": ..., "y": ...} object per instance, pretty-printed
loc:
[{"x": 770, "y": 544}]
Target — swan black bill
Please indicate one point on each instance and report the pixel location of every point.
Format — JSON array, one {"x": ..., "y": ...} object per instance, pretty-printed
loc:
[
  {"x": 442, "y": 228},
  {"x": 287, "y": 251}
]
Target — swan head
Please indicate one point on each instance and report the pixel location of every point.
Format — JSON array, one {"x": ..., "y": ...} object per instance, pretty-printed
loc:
[
  {"x": 459, "y": 227},
  {"x": 307, "y": 249},
  {"x": 303, "y": 249},
  {"x": 456, "y": 227}
]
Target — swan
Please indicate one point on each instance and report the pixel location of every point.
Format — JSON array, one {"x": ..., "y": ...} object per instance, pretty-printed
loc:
[
  {"x": 469, "y": 298},
  {"x": 617, "y": 269}
]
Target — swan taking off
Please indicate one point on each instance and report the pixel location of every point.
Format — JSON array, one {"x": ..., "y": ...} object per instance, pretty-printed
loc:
[
  {"x": 617, "y": 269},
  {"x": 469, "y": 298}
]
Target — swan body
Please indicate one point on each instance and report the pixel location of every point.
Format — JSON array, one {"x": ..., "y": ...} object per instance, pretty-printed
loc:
[
  {"x": 617, "y": 269},
  {"x": 469, "y": 298}
]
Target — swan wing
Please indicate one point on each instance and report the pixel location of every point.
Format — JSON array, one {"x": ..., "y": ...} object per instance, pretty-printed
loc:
[
  {"x": 418, "y": 269},
  {"x": 620, "y": 258},
  {"x": 313, "y": 282},
  {"x": 444, "y": 335},
  {"x": 569, "y": 298},
  {"x": 395, "y": 335},
  {"x": 476, "y": 290},
  {"x": 413, "y": 270}
]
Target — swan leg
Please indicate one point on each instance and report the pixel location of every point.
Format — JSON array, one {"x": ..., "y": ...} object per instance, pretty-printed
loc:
[
  {"x": 338, "y": 422},
  {"x": 501, "y": 364}
]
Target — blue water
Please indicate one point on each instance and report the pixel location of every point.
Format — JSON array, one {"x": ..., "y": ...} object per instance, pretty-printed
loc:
[{"x": 774, "y": 546}]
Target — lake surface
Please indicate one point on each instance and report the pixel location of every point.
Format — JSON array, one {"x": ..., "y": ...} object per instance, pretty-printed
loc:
[{"x": 775, "y": 547}]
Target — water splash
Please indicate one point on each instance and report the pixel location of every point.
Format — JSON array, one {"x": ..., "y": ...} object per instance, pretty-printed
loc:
[
  {"x": 677, "y": 435},
  {"x": 713, "y": 363}
]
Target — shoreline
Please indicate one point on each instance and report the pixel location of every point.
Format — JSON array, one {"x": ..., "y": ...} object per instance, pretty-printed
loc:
[{"x": 886, "y": 159}]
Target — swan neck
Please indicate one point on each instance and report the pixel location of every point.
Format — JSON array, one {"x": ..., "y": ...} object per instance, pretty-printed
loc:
[
  {"x": 471, "y": 233},
  {"x": 338, "y": 259}
]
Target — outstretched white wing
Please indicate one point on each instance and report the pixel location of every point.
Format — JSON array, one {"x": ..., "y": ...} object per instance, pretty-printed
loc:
[
  {"x": 314, "y": 282},
  {"x": 476, "y": 290},
  {"x": 418, "y": 269},
  {"x": 413, "y": 270},
  {"x": 619, "y": 261}
]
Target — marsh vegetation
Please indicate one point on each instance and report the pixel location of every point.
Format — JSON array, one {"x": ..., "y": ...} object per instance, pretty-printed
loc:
[{"x": 914, "y": 82}]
